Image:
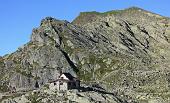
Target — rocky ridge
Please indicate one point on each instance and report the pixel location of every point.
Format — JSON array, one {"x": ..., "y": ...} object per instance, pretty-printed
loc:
[{"x": 126, "y": 51}]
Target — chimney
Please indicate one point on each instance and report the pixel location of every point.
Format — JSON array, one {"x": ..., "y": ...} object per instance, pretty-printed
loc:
[{"x": 61, "y": 72}]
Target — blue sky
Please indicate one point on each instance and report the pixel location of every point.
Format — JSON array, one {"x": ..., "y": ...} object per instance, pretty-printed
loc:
[{"x": 19, "y": 17}]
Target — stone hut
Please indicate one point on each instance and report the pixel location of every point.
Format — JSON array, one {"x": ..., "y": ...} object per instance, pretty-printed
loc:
[{"x": 65, "y": 82}]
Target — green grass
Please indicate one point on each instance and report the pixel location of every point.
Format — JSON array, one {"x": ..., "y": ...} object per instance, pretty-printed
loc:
[
  {"x": 24, "y": 73},
  {"x": 102, "y": 14},
  {"x": 34, "y": 98},
  {"x": 12, "y": 96},
  {"x": 3, "y": 88},
  {"x": 92, "y": 12},
  {"x": 113, "y": 12},
  {"x": 152, "y": 89},
  {"x": 2, "y": 64}
]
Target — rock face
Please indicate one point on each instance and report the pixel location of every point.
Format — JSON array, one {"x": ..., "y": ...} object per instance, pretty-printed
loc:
[
  {"x": 45, "y": 95},
  {"x": 125, "y": 51}
]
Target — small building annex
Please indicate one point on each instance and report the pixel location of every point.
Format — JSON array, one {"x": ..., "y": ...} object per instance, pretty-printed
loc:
[{"x": 65, "y": 82}]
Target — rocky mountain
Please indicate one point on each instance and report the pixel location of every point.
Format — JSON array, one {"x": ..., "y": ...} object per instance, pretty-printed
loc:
[{"x": 127, "y": 52}]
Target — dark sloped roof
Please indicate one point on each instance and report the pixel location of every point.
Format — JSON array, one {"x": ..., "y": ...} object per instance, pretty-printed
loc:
[
  {"x": 62, "y": 80},
  {"x": 69, "y": 76}
]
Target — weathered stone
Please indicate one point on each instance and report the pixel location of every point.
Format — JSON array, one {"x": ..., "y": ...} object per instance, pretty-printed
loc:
[{"x": 125, "y": 50}]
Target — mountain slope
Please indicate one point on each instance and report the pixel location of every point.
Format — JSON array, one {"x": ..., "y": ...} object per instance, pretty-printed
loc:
[{"x": 126, "y": 51}]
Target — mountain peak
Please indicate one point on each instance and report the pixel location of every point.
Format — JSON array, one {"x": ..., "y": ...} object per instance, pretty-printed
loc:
[
  {"x": 134, "y": 8},
  {"x": 52, "y": 20},
  {"x": 49, "y": 30},
  {"x": 132, "y": 12}
]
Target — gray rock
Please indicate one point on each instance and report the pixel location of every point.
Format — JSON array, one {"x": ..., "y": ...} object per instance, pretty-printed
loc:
[{"x": 126, "y": 51}]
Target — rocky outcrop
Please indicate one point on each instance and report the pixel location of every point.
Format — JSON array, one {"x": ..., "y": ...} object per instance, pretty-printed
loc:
[
  {"x": 45, "y": 95},
  {"x": 125, "y": 51}
]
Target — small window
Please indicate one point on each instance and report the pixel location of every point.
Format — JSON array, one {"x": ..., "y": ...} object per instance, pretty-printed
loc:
[
  {"x": 61, "y": 83},
  {"x": 54, "y": 83},
  {"x": 69, "y": 83},
  {"x": 36, "y": 84}
]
